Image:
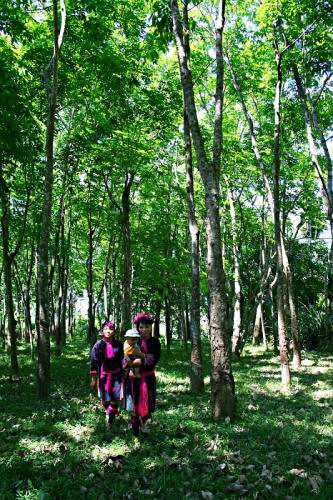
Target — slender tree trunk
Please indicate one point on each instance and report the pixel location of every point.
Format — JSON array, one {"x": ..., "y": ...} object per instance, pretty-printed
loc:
[
  {"x": 27, "y": 295},
  {"x": 55, "y": 264},
  {"x": 223, "y": 402},
  {"x": 37, "y": 298},
  {"x": 187, "y": 318},
  {"x": 71, "y": 314},
  {"x": 110, "y": 295},
  {"x": 26, "y": 325},
  {"x": 157, "y": 319},
  {"x": 263, "y": 329},
  {"x": 281, "y": 291},
  {"x": 61, "y": 279},
  {"x": 265, "y": 272},
  {"x": 115, "y": 291},
  {"x": 181, "y": 319},
  {"x": 43, "y": 251},
  {"x": 257, "y": 325},
  {"x": 167, "y": 324},
  {"x": 237, "y": 321},
  {"x": 7, "y": 269},
  {"x": 196, "y": 374},
  {"x": 99, "y": 295},
  {"x": 273, "y": 322},
  {"x": 62, "y": 304},
  {"x": 91, "y": 317},
  {"x": 329, "y": 291},
  {"x": 66, "y": 253},
  {"x": 312, "y": 145},
  {"x": 2, "y": 325},
  {"x": 105, "y": 301},
  {"x": 127, "y": 276}
]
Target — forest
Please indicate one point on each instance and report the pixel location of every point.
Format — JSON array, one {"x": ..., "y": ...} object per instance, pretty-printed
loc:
[{"x": 172, "y": 157}]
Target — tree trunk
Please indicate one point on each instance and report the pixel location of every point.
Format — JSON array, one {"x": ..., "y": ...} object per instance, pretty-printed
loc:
[
  {"x": 25, "y": 300},
  {"x": 167, "y": 324},
  {"x": 91, "y": 333},
  {"x": 55, "y": 264},
  {"x": 223, "y": 402},
  {"x": 257, "y": 325},
  {"x": 106, "y": 301},
  {"x": 196, "y": 375},
  {"x": 157, "y": 319},
  {"x": 3, "y": 325},
  {"x": 187, "y": 319},
  {"x": 71, "y": 314},
  {"x": 263, "y": 329},
  {"x": 236, "y": 335},
  {"x": 61, "y": 280},
  {"x": 127, "y": 272},
  {"x": 265, "y": 272},
  {"x": 281, "y": 291},
  {"x": 7, "y": 268},
  {"x": 65, "y": 256},
  {"x": 312, "y": 145},
  {"x": 181, "y": 320},
  {"x": 27, "y": 295}
]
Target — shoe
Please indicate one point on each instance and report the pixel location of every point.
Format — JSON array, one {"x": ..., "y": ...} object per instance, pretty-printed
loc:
[
  {"x": 136, "y": 445},
  {"x": 146, "y": 426},
  {"x": 145, "y": 430},
  {"x": 108, "y": 424}
]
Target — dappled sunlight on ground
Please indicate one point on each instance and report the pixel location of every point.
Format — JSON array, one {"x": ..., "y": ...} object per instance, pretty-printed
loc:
[
  {"x": 76, "y": 432},
  {"x": 63, "y": 447},
  {"x": 323, "y": 394},
  {"x": 37, "y": 445}
]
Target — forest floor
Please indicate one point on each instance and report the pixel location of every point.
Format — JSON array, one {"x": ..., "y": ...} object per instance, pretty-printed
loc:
[{"x": 280, "y": 446}]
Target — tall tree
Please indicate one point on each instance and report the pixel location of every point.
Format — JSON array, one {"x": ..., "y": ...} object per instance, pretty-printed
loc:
[
  {"x": 281, "y": 285},
  {"x": 51, "y": 79},
  {"x": 271, "y": 202},
  {"x": 223, "y": 400},
  {"x": 196, "y": 375}
]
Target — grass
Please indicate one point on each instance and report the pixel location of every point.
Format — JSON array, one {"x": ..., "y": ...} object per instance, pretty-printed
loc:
[{"x": 280, "y": 445}]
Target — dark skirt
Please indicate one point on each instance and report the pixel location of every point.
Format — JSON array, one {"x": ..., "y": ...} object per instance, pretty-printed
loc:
[{"x": 140, "y": 395}]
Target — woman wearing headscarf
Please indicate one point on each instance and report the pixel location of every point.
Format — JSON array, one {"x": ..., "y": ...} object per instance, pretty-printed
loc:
[
  {"x": 106, "y": 370},
  {"x": 140, "y": 392}
]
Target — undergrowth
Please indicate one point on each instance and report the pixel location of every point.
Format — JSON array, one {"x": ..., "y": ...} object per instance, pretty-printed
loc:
[{"x": 280, "y": 445}]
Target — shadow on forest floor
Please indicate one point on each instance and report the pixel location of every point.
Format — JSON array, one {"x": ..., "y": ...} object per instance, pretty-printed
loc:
[{"x": 280, "y": 445}]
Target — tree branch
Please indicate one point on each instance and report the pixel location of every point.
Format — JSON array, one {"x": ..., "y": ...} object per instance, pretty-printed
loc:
[{"x": 315, "y": 102}]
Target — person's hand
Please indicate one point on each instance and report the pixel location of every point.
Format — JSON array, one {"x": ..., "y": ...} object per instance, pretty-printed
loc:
[{"x": 93, "y": 383}]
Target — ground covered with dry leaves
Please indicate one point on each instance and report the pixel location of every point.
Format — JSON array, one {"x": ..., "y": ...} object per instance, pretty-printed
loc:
[{"x": 280, "y": 446}]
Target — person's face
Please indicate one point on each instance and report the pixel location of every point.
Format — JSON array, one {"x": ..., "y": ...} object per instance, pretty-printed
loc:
[
  {"x": 108, "y": 333},
  {"x": 131, "y": 340},
  {"x": 145, "y": 330}
]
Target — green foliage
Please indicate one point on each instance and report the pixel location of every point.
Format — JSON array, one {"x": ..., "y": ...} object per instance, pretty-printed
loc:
[{"x": 120, "y": 113}]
